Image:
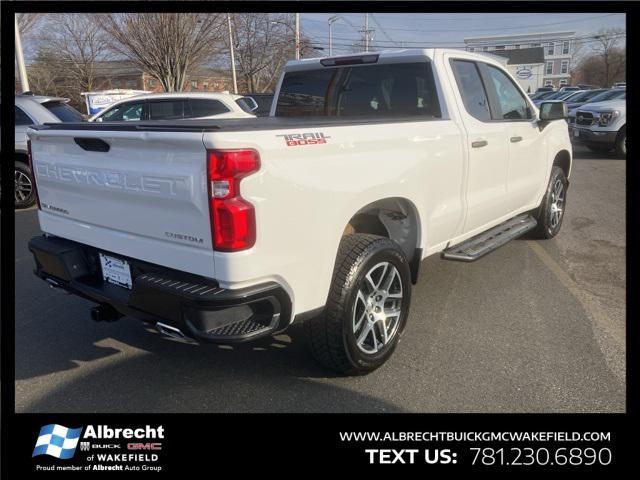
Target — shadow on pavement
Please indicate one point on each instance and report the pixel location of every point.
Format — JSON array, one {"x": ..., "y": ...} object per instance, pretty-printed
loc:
[
  {"x": 580, "y": 152},
  {"x": 274, "y": 375}
]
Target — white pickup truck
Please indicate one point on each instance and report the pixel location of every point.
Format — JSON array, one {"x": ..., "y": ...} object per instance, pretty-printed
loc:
[{"x": 231, "y": 230}]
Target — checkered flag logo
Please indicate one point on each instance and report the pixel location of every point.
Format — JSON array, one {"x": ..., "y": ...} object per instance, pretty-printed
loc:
[{"x": 57, "y": 441}]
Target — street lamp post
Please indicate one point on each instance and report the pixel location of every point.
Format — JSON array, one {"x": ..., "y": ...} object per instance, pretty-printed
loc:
[
  {"x": 296, "y": 33},
  {"x": 24, "y": 80},
  {"x": 331, "y": 21},
  {"x": 233, "y": 62}
]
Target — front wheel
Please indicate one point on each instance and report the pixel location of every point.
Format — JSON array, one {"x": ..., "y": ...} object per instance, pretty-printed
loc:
[
  {"x": 551, "y": 211},
  {"x": 367, "y": 307},
  {"x": 621, "y": 143}
]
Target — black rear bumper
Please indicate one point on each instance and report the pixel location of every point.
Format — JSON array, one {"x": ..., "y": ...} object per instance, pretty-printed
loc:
[{"x": 194, "y": 305}]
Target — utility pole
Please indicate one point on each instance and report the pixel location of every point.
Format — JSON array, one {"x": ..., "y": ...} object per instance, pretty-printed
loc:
[
  {"x": 24, "y": 81},
  {"x": 297, "y": 40},
  {"x": 365, "y": 32},
  {"x": 233, "y": 62}
]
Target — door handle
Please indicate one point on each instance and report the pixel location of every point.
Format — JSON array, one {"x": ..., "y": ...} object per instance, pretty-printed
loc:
[
  {"x": 479, "y": 143},
  {"x": 515, "y": 139}
]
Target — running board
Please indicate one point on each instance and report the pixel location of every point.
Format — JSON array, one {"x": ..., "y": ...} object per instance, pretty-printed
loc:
[{"x": 478, "y": 246}]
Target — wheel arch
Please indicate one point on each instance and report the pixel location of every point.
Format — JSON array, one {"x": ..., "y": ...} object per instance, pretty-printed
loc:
[
  {"x": 396, "y": 218},
  {"x": 563, "y": 160},
  {"x": 21, "y": 156}
]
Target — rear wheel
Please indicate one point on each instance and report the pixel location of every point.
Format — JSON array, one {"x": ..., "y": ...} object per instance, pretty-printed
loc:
[
  {"x": 551, "y": 212},
  {"x": 367, "y": 307},
  {"x": 23, "y": 186}
]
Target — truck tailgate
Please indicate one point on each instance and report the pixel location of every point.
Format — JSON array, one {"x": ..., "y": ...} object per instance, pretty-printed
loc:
[{"x": 145, "y": 197}]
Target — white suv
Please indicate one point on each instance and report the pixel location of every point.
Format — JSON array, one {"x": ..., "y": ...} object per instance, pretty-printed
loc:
[{"x": 178, "y": 106}]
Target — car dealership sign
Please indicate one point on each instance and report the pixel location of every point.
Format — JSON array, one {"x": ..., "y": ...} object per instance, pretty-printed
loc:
[
  {"x": 98, "y": 101},
  {"x": 524, "y": 73}
]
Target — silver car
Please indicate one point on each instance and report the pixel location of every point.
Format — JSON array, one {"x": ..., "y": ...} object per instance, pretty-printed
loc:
[{"x": 34, "y": 110}]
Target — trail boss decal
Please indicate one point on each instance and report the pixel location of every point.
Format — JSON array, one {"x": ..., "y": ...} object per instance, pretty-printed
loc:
[{"x": 311, "y": 138}]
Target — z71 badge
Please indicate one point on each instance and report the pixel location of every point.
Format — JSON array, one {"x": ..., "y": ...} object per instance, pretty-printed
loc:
[{"x": 311, "y": 138}]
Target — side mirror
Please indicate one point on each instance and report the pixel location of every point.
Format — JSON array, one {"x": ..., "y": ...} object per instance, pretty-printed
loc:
[{"x": 553, "y": 111}]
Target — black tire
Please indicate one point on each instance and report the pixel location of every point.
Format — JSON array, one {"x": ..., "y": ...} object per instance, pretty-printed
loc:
[
  {"x": 547, "y": 227},
  {"x": 24, "y": 193},
  {"x": 596, "y": 148},
  {"x": 621, "y": 143},
  {"x": 331, "y": 335}
]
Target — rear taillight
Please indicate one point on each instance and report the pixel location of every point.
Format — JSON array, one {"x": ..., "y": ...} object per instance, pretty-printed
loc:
[
  {"x": 233, "y": 219},
  {"x": 33, "y": 174}
]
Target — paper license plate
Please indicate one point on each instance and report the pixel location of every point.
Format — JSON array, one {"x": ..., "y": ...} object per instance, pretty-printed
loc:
[
  {"x": 115, "y": 270},
  {"x": 576, "y": 132}
]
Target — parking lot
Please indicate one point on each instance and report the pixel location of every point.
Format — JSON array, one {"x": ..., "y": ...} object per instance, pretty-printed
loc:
[{"x": 532, "y": 327}]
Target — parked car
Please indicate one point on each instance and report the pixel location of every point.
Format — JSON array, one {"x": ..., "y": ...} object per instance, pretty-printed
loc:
[
  {"x": 559, "y": 95},
  {"x": 582, "y": 97},
  {"x": 228, "y": 230},
  {"x": 548, "y": 88},
  {"x": 264, "y": 101},
  {"x": 602, "y": 126},
  {"x": 34, "y": 110},
  {"x": 177, "y": 106},
  {"x": 544, "y": 95},
  {"x": 584, "y": 86},
  {"x": 604, "y": 96},
  {"x": 620, "y": 85},
  {"x": 569, "y": 89}
]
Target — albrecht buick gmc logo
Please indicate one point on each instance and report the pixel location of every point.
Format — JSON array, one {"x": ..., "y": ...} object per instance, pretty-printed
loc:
[{"x": 61, "y": 442}]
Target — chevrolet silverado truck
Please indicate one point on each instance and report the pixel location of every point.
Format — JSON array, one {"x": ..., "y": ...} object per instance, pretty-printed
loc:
[{"x": 231, "y": 230}]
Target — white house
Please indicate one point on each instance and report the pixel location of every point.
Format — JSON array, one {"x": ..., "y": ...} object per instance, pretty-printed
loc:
[{"x": 557, "y": 49}]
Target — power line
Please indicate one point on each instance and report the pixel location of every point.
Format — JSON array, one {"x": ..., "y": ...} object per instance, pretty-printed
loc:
[
  {"x": 463, "y": 30},
  {"x": 426, "y": 46}
]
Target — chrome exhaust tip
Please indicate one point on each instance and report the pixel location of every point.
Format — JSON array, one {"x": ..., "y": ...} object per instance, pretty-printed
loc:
[{"x": 173, "y": 332}]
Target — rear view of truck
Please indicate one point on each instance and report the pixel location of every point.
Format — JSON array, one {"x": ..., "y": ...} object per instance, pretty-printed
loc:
[{"x": 132, "y": 216}]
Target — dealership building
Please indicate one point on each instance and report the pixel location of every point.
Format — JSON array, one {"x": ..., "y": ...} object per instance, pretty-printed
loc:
[{"x": 557, "y": 49}]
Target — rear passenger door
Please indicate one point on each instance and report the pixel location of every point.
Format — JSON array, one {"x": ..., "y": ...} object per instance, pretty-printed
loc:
[
  {"x": 486, "y": 142},
  {"x": 527, "y": 166},
  {"x": 204, "y": 107},
  {"x": 167, "y": 109}
]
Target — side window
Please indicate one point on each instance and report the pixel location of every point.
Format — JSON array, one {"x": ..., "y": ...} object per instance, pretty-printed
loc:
[
  {"x": 205, "y": 108},
  {"x": 22, "y": 118},
  {"x": 472, "y": 89},
  {"x": 513, "y": 105},
  {"x": 305, "y": 93},
  {"x": 167, "y": 110},
  {"x": 127, "y": 112}
]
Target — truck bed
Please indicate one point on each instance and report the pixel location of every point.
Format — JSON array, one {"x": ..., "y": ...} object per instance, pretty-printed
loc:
[{"x": 227, "y": 125}]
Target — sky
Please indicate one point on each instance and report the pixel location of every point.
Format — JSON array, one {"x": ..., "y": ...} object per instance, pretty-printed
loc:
[{"x": 445, "y": 29}]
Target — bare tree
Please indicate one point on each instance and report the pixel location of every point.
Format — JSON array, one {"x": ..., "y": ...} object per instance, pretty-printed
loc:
[
  {"x": 608, "y": 49},
  {"x": 263, "y": 42},
  {"x": 27, "y": 21},
  {"x": 71, "y": 46},
  {"x": 166, "y": 45}
]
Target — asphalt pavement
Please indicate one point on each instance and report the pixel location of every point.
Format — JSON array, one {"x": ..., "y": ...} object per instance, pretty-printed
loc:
[{"x": 532, "y": 327}]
